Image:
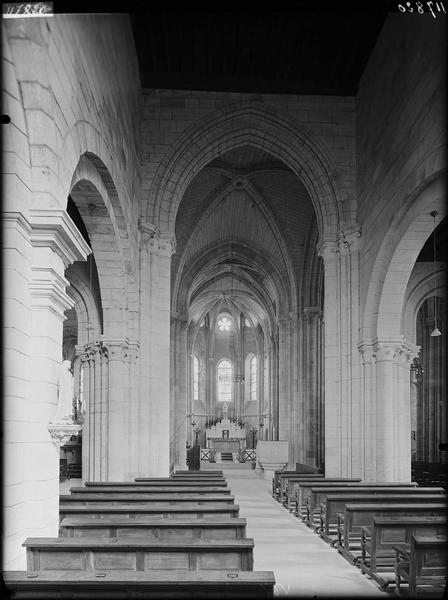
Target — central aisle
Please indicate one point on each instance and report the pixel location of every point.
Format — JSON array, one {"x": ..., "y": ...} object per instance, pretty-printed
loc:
[{"x": 303, "y": 564}]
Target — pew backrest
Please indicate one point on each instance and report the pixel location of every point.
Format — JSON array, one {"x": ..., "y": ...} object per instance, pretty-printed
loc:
[
  {"x": 154, "y": 528},
  {"x": 357, "y": 516},
  {"x": 138, "y": 554}
]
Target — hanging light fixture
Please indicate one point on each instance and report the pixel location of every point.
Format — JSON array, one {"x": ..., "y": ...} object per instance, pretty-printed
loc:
[{"x": 435, "y": 332}]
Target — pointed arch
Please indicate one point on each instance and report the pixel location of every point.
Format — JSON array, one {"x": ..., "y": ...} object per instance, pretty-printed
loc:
[{"x": 242, "y": 125}]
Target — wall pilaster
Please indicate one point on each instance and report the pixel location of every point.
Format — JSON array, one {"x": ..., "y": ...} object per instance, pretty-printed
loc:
[{"x": 38, "y": 247}]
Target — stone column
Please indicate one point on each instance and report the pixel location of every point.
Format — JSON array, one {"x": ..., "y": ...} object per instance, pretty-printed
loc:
[
  {"x": 179, "y": 389},
  {"x": 368, "y": 426},
  {"x": 404, "y": 359},
  {"x": 156, "y": 249},
  {"x": 38, "y": 247},
  {"x": 393, "y": 413},
  {"x": 313, "y": 426},
  {"x": 96, "y": 397},
  {"x": 342, "y": 378},
  {"x": 272, "y": 421},
  {"x": 122, "y": 435}
]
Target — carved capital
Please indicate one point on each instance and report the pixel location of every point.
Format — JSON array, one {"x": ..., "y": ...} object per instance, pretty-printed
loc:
[
  {"x": 399, "y": 351},
  {"x": 94, "y": 351},
  {"x": 62, "y": 432},
  {"x": 167, "y": 244},
  {"x": 328, "y": 249},
  {"x": 348, "y": 238},
  {"x": 407, "y": 353},
  {"x": 311, "y": 313},
  {"x": 386, "y": 351},
  {"x": 367, "y": 352},
  {"x": 149, "y": 234},
  {"x": 155, "y": 241}
]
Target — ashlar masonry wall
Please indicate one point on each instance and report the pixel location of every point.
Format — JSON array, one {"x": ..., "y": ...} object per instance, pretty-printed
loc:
[{"x": 71, "y": 87}]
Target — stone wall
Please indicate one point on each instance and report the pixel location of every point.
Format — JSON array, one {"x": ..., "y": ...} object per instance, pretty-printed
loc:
[
  {"x": 71, "y": 86},
  {"x": 400, "y": 131}
]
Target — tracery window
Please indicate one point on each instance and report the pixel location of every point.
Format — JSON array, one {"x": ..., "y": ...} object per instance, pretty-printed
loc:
[
  {"x": 225, "y": 373},
  {"x": 195, "y": 378},
  {"x": 224, "y": 324},
  {"x": 253, "y": 378}
]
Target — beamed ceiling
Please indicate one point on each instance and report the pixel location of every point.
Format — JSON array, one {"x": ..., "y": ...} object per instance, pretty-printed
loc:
[{"x": 317, "y": 48}]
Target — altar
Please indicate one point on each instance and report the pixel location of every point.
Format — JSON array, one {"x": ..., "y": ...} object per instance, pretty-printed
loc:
[{"x": 226, "y": 436}]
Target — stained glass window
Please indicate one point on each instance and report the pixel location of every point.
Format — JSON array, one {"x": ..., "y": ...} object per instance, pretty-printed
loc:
[
  {"x": 253, "y": 378},
  {"x": 225, "y": 372}
]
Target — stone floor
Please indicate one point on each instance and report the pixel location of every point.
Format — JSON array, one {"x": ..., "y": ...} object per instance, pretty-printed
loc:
[{"x": 303, "y": 564}]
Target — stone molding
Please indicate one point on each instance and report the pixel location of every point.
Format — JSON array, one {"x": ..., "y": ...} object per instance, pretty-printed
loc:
[
  {"x": 53, "y": 228},
  {"x": 47, "y": 291},
  {"x": 61, "y": 432}
]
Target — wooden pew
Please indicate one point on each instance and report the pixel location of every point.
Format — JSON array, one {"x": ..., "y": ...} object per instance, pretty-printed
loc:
[
  {"x": 142, "y": 499},
  {"x": 279, "y": 474},
  {"x": 161, "y": 482},
  {"x": 148, "y": 489},
  {"x": 357, "y": 516},
  {"x": 423, "y": 565},
  {"x": 154, "y": 528},
  {"x": 284, "y": 481},
  {"x": 332, "y": 501},
  {"x": 90, "y": 554},
  {"x": 217, "y": 472},
  {"x": 101, "y": 510},
  {"x": 201, "y": 479},
  {"x": 315, "y": 497},
  {"x": 378, "y": 541},
  {"x": 168, "y": 584},
  {"x": 302, "y": 490}
]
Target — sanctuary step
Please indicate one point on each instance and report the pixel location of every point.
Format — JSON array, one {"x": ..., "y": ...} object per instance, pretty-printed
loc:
[{"x": 226, "y": 456}]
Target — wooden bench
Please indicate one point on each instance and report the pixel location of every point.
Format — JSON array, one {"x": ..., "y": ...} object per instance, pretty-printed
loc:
[
  {"x": 102, "y": 510},
  {"x": 357, "y": 516},
  {"x": 90, "y": 554},
  {"x": 378, "y": 541},
  {"x": 423, "y": 565},
  {"x": 161, "y": 482},
  {"x": 143, "y": 499},
  {"x": 205, "y": 473},
  {"x": 302, "y": 490},
  {"x": 153, "y": 528},
  {"x": 279, "y": 474},
  {"x": 284, "y": 481},
  {"x": 168, "y": 584},
  {"x": 332, "y": 501},
  {"x": 187, "y": 478},
  {"x": 148, "y": 489}
]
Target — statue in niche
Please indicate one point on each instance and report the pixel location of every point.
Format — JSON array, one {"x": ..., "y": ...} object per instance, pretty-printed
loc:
[
  {"x": 64, "y": 412},
  {"x": 225, "y": 410}
]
